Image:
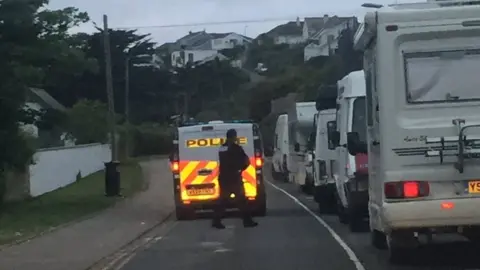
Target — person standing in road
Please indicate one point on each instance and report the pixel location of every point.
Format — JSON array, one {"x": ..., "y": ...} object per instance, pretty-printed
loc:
[{"x": 233, "y": 161}]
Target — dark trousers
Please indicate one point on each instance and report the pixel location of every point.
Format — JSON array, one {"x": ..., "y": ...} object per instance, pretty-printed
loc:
[{"x": 240, "y": 201}]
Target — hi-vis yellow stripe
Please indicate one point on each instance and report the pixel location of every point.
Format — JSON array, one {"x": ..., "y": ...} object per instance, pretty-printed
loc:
[{"x": 189, "y": 176}]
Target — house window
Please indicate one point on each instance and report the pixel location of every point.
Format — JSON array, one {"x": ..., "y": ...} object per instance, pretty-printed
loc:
[
  {"x": 217, "y": 41},
  {"x": 330, "y": 38},
  {"x": 190, "y": 57}
]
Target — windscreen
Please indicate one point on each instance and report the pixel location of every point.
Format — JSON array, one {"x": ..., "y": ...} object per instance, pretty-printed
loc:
[
  {"x": 204, "y": 145},
  {"x": 442, "y": 76},
  {"x": 359, "y": 123}
]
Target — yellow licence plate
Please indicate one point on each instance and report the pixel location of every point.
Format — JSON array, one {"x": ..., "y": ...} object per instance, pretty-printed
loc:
[
  {"x": 199, "y": 192},
  {"x": 474, "y": 187}
]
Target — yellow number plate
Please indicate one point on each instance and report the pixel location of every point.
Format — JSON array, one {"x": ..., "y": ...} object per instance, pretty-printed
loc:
[
  {"x": 474, "y": 187},
  {"x": 199, "y": 192}
]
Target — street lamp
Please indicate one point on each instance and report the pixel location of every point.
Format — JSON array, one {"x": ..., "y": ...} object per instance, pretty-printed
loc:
[{"x": 127, "y": 91}]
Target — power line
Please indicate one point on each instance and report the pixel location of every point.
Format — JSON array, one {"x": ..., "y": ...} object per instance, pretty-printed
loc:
[{"x": 247, "y": 21}]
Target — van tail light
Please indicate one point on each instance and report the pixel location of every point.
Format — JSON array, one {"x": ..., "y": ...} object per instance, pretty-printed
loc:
[
  {"x": 406, "y": 189},
  {"x": 361, "y": 164},
  {"x": 175, "y": 166},
  {"x": 258, "y": 159}
]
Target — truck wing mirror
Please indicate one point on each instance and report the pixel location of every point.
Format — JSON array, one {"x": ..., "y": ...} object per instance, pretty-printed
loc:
[
  {"x": 354, "y": 145},
  {"x": 296, "y": 147}
]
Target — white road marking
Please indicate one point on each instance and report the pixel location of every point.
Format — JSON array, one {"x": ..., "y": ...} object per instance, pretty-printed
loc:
[{"x": 353, "y": 257}]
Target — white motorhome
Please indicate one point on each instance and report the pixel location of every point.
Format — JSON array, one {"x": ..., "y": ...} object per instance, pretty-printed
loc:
[
  {"x": 325, "y": 155},
  {"x": 281, "y": 149},
  {"x": 351, "y": 172},
  {"x": 421, "y": 66},
  {"x": 300, "y": 122}
]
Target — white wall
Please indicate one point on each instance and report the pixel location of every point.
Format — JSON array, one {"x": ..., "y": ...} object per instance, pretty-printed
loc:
[
  {"x": 288, "y": 40},
  {"x": 58, "y": 167},
  {"x": 198, "y": 55}
]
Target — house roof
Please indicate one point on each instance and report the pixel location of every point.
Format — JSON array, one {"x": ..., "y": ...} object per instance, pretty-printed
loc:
[
  {"x": 315, "y": 23},
  {"x": 288, "y": 29},
  {"x": 332, "y": 22},
  {"x": 44, "y": 97},
  {"x": 219, "y": 35}
]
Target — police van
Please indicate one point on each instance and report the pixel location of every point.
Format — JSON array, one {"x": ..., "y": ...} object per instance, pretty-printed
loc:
[{"x": 195, "y": 166}]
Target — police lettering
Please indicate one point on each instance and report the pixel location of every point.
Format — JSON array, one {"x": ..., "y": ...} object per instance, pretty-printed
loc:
[{"x": 211, "y": 142}]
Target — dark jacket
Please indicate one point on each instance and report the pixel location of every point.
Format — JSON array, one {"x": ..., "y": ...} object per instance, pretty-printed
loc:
[{"x": 233, "y": 161}]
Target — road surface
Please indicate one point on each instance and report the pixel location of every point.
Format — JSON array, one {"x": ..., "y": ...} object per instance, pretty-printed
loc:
[{"x": 291, "y": 237}]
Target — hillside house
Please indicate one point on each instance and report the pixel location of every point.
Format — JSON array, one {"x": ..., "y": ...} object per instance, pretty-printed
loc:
[
  {"x": 39, "y": 100},
  {"x": 325, "y": 41},
  {"x": 198, "y": 46},
  {"x": 290, "y": 33},
  {"x": 313, "y": 25}
]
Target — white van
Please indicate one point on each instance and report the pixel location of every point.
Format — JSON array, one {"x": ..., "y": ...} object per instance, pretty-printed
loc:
[
  {"x": 423, "y": 102},
  {"x": 351, "y": 172},
  {"x": 325, "y": 155},
  {"x": 281, "y": 149}
]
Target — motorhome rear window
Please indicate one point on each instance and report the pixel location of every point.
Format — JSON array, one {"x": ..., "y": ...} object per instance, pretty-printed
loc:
[
  {"x": 359, "y": 123},
  {"x": 442, "y": 76}
]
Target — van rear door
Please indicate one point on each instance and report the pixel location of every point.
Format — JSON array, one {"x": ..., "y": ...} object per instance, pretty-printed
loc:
[
  {"x": 198, "y": 151},
  {"x": 246, "y": 140}
]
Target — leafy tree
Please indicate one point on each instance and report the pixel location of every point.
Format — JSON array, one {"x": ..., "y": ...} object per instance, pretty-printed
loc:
[{"x": 88, "y": 121}]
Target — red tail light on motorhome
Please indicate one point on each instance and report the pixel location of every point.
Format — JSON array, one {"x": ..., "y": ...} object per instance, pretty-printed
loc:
[
  {"x": 406, "y": 189},
  {"x": 361, "y": 163}
]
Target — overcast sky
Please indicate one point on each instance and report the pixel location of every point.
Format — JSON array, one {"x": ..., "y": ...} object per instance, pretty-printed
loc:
[{"x": 161, "y": 13}]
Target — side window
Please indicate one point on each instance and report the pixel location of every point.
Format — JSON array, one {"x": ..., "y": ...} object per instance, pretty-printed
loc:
[{"x": 331, "y": 127}]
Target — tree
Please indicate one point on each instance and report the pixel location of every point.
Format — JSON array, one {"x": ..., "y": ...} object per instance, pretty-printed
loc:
[{"x": 88, "y": 121}]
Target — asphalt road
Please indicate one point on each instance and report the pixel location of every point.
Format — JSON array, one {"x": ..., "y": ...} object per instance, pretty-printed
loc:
[{"x": 291, "y": 237}]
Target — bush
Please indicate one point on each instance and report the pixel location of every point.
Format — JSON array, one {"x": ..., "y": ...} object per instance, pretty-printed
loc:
[{"x": 148, "y": 139}]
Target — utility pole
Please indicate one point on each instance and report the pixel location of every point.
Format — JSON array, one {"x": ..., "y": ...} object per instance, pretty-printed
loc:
[
  {"x": 127, "y": 106},
  {"x": 112, "y": 175}
]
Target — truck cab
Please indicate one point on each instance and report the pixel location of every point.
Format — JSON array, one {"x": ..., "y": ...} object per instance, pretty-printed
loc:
[
  {"x": 351, "y": 171},
  {"x": 325, "y": 155}
]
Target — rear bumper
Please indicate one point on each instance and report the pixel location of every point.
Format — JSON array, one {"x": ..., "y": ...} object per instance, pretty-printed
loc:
[{"x": 429, "y": 214}]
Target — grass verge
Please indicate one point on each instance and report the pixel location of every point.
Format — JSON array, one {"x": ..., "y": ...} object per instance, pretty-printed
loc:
[{"x": 23, "y": 220}]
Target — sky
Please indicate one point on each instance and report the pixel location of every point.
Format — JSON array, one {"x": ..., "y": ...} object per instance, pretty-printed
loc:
[{"x": 157, "y": 16}]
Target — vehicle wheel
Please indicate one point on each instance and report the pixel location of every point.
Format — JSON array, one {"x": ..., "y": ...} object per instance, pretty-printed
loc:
[
  {"x": 397, "y": 254},
  {"x": 182, "y": 213},
  {"x": 274, "y": 173},
  {"x": 378, "y": 239},
  {"x": 342, "y": 213},
  {"x": 355, "y": 220}
]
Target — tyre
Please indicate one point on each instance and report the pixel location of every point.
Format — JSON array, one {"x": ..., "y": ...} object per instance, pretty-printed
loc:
[
  {"x": 355, "y": 220},
  {"x": 341, "y": 212},
  {"x": 183, "y": 213},
  {"x": 378, "y": 240},
  {"x": 398, "y": 253}
]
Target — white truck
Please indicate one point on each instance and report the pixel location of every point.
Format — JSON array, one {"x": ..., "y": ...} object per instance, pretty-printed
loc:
[
  {"x": 300, "y": 123},
  {"x": 421, "y": 65},
  {"x": 324, "y": 152},
  {"x": 325, "y": 155},
  {"x": 281, "y": 149},
  {"x": 350, "y": 169}
]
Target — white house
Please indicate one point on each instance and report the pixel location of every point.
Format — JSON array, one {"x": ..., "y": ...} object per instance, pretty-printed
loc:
[
  {"x": 312, "y": 25},
  {"x": 228, "y": 41},
  {"x": 181, "y": 58},
  {"x": 199, "y": 46},
  {"x": 38, "y": 100},
  {"x": 289, "y": 33},
  {"x": 325, "y": 42}
]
